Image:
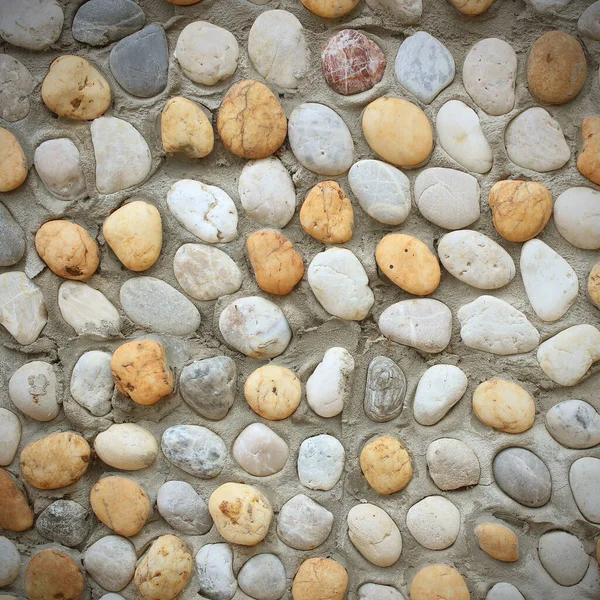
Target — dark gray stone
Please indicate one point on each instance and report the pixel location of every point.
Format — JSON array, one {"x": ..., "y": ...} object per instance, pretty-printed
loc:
[
  {"x": 208, "y": 386},
  {"x": 263, "y": 577},
  {"x": 140, "y": 62},
  {"x": 12, "y": 239},
  {"x": 64, "y": 522},
  {"x": 385, "y": 390},
  {"x": 100, "y": 22}
]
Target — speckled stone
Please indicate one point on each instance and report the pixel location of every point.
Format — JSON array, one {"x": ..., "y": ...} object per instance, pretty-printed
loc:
[
  {"x": 574, "y": 424},
  {"x": 10, "y": 436},
  {"x": 64, "y": 522},
  {"x": 575, "y": 217},
  {"x": 110, "y": 562},
  {"x": 31, "y": 24},
  {"x": 12, "y": 239},
  {"x": 320, "y": 462},
  {"x": 16, "y": 86},
  {"x": 452, "y": 464},
  {"x": 263, "y": 577},
  {"x": 385, "y": 390},
  {"x": 33, "y": 390},
  {"x": 434, "y": 522},
  {"x": 584, "y": 479},
  {"x": 563, "y": 557},
  {"x": 183, "y": 509},
  {"x": 303, "y": 524},
  {"x": 214, "y": 563},
  {"x": 10, "y": 564}
]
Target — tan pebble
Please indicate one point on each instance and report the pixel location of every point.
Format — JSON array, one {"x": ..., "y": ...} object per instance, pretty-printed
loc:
[
  {"x": 437, "y": 582},
  {"x": 498, "y": 541},
  {"x": 472, "y": 7},
  {"x": 408, "y": 263},
  {"x": 398, "y": 131},
  {"x": 134, "y": 234},
  {"x": 52, "y": 575},
  {"x": 588, "y": 162},
  {"x": 273, "y": 392},
  {"x": 15, "y": 513},
  {"x": 242, "y": 513},
  {"x": 186, "y": 129},
  {"x": 251, "y": 121},
  {"x": 386, "y": 465},
  {"x": 593, "y": 285},
  {"x": 55, "y": 461},
  {"x": 520, "y": 209},
  {"x": 121, "y": 504},
  {"x": 13, "y": 164},
  {"x": 320, "y": 579},
  {"x": 327, "y": 214},
  {"x": 74, "y": 89},
  {"x": 67, "y": 249},
  {"x": 277, "y": 265},
  {"x": 141, "y": 373},
  {"x": 165, "y": 570},
  {"x": 556, "y": 68},
  {"x": 330, "y": 9}
]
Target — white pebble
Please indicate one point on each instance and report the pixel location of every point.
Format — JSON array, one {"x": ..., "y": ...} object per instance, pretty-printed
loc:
[
  {"x": 320, "y": 462},
  {"x": 407, "y": 11},
  {"x": 126, "y": 446},
  {"x": 584, "y": 479},
  {"x": 504, "y": 591},
  {"x": 32, "y": 389},
  {"x": 374, "y": 591},
  {"x": 110, "y": 562},
  {"x": 263, "y": 577},
  {"x": 574, "y": 424},
  {"x": 452, "y": 464},
  {"x": 10, "y": 436},
  {"x": 10, "y": 562},
  {"x": 434, "y": 522},
  {"x": 214, "y": 563},
  {"x": 303, "y": 524},
  {"x": 564, "y": 557},
  {"x": 58, "y": 164},
  {"x": 183, "y": 509},
  {"x": 577, "y": 217},
  {"x": 92, "y": 382},
  {"x": 260, "y": 451}
]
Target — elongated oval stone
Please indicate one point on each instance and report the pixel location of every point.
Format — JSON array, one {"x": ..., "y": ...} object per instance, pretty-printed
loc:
[
  {"x": 214, "y": 563},
  {"x": 574, "y": 424},
  {"x": 92, "y": 382},
  {"x": 16, "y": 85},
  {"x": 385, "y": 390},
  {"x": 584, "y": 479},
  {"x": 10, "y": 436},
  {"x": 126, "y": 446},
  {"x": 183, "y": 509},
  {"x": 564, "y": 557},
  {"x": 15, "y": 513}
]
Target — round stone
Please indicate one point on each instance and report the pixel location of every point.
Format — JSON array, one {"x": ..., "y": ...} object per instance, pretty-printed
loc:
[
  {"x": 195, "y": 450},
  {"x": 385, "y": 390},
  {"x": 320, "y": 140},
  {"x": 498, "y": 541},
  {"x": 12, "y": 239},
  {"x": 183, "y": 509},
  {"x": 92, "y": 382},
  {"x": 15, "y": 513},
  {"x": 452, "y": 464},
  {"x": 386, "y": 465},
  {"x": 31, "y": 24},
  {"x": 330, "y": 9},
  {"x": 327, "y": 214},
  {"x": 10, "y": 436},
  {"x": 574, "y": 424},
  {"x": 584, "y": 479},
  {"x": 588, "y": 24},
  {"x": 53, "y": 574},
  {"x": 110, "y": 562},
  {"x": 32, "y": 389},
  {"x": 206, "y": 53},
  {"x": 588, "y": 162},
  {"x": 504, "y": 591},
  {"x": 126, "y": 446},
  {"x": 564, "y": 557},
  {"x": 374, "y": 591},
  {"x": 214, "y": 563},
  {"x": 439, "y": 581},
  {"x": 64, "y": 522},
  {"x": 13, "y": 164},
  {"x": 593, "y": 285},
  {"x": 11, "y": 562},
  {"x": 320, "y": 462},
  {"x": 260, "y": 451},
  {"x": 434, "y": 522},
  {"x": 263, "y": 577},
  {"x": 472, "y": 7},
  {"x": 320, "y": 579},
  {"x": 303, "y": 524},
  {"x": 16, "y": 86},
  {"x": 575, "y": 213}
]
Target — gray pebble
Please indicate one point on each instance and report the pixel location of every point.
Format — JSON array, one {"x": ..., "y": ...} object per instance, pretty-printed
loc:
[
  {"x": 16, "y": 85},
  {"x": 263, "y": 577},
  {"x": 374, "y": 591},
  {"x": 320, "y": 462},
  {"x": 92, "y": 383},
  {"x": 303, "y": 524},
  {"x": 111, "y": 562},
  {"x": 183, "y": 509},
  {"x": 452, "y": 464},
  {"x": 31, "y": 24},
  {"x": 208, "y": 386},
  {"x": 64, "y": 522},
  {"x": 12, "y": 239},
  {"x": 214, "y": 563},
  {"x": 574, "y": 424},
  {"x": 140, "y": 62},
  {"x": 385, "y": 390},
  {"x": 589, "y": 22},
  {"x": 10, "y": 563},
  {"x": 504, "y": 591},
  {"x": 584, "y": 479},
  {"x": 563, "y": 556},
  {"x": 100, "y": 22},
  {"x": 523, "y": 476}
]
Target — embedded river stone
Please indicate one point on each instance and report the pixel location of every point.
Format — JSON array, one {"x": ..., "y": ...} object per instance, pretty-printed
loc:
[
  {"x": 260, "y": 451},
  {"x": 385, "y": 390},
  {"x": 498, "y": 541},
  {"x": 434, "y": 522},
  {"x": 504, "y": 591},
  {"x": 11, "y": 563},
  {"x": 64, "y": 522},
  {"x": 588, "y": 162},
  {"x": 564, "y": 557},
  {"x": 110, "y": 562},
  {"x": 472, "y": 7},
  {"x": 32, "y": 389},
  {"x": 574, "y": 424},
  {"x": 320, "y": 579},
  {"x": 13, "y": 164},
  {"x": 593, "y": 285},
  {"x": 214, "y": 563},
  {"x": 303, "y": 524},
  {"x": 10, "y": 436},
  {"x": 588, "y": 24},
  {"x": 584, "y": 479},
  {"x": 15, "y": 513},
  {"x": 53, "y": 574},
  {"x": 439, "y": 581},
  {"x": 320, "y": 462},
  {"x": 126, "y": 446},
  {"x": 31, "y": 24},
  {"x": 182, "y": 508},
  {"x": 195, "y": 450},
  {"x": 386, "y": 465},
  {"x": 263, "y": 577},
  {"x": 452, "y": 464},
  {"x": 374, "y": 591},
  {"x": 408, "y": 12},
  {"x": 575, "y": 217},
  {"x": 12, "y": 239},
  {"x": 16, "y": 85},
  {"x": 330, "y": 10}
]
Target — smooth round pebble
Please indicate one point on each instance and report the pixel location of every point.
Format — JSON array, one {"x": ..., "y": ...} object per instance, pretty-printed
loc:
[
  {"x": 260, "y": 451},
  {"x": 385, "y": 390},
  {"x": 11, "y": 562},
  {"x": 303, "y": 524},
  {"x": 58, "y": 164},
  {"x": 13, "y": 163},
  {"x": 12, "y": 239},
  {"x": 574, "y": 424},
  {"x": 273, "y": 392},
  {"x": 320, "y": 462},
  {"x": 110, "y": 561},
  {"x": 31, "y": 24},
  {"x": 330, "y": 9},
  {"x": 10, "y": 436},
  {"x": 434, "y": 522},
  {"x": 92, "y": 383},
  {"x": 183, "y": 509},
  {"x": 374, "y": 591},
  {"x": 32, "y": 389},
  {"x": 584, "y": 479},
  {"x": 575, "y": 217},
  {"x": 15, "y": 512},
  {"x": 126, "y": 446},
  {"x": 452, "y": 464},
  {"x": 16, "y": 86},
  {"x": 53, "y": 574},
  {"x": 504, "y": 591},
  {"x": 386, "y": 465},
  {"x": 472, "y": 7},
  {"x": 214, "y": 563},
  {"x": 64, "y": 522},
  {"x": 320, "y": 579},
  {"x": 263, "y": 577},
  {"x": 439, "y": 581},
  {"x": 498, "y": 541},
  {"x": 563, "y": 557}
]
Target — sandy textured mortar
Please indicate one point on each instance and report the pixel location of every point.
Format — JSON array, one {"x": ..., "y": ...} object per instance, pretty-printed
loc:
[{"x": 314, "y": 330}]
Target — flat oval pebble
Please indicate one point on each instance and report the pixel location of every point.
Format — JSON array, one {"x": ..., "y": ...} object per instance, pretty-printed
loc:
[
  {"x": 374, "y": 591},
  {"x": 214, "y": 563},
  {"x": 194, "y": 449},
  {"x": 13, "y": 163},
  {"x": 386, "y": 465},
  {"x": 31, "y": 24},
  {"x": 588, "y": 161},
  {"x": 438, "y": 390},
  {"x": 126, "y": 446},
  {"x": 425, "y": 324},
  {"x": 263, "y": 577},
  {"x": 329, "y": 9},
  {"x": 389, "y": 202},
  {"x": 492, "y": 325},
  {"x": 255, "y": 327},
  {"x": 320, "y": 579},
  {"x": 15, "y": 513},
  {"x": 88, "y": 311},
  {"x": 534, "y": 140},
  {"x": 574, "y": 424},
  {"x": 563, "y": 557},
  {"x": 110, "y": 562},
  {"x": 434, "y": 522},
  {"x": 588, "y": 24},
  {"x": 33, "y": 390},
  {"x": 584, "y": 479},
  {"x": 12, "y": 239},
  {"x": 53, "y": 574},
  {"x": 182, "y": 508},
  {"x": 452, "y": 464},
  {"x": 504, "y": 591},
  {"x": 340, "y": 284},
  {"x": 260, "y": 451},
  {"x": 498, "y": 541},
  {"x": 277, "y": 48},
  {"x": 10, "y": 436},
  {"x": 64, "y": 522},
  {"x": 303, "y": 524},
  {"x": 320, "y": 462},
  {"x": 16, "y": 85},
  {"x": 576, "y": 217},
  {"x": 523, "y": 476},
  {"x": 385, "y": 390},
  {"x": 11, "y": 562},
  {"x": 58, "y": 164}
]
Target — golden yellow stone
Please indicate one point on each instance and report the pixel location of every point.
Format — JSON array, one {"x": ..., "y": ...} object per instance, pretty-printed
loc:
[
  {"x": 437, "y": 582},
  {"x": 320, "y": 579},
  {"x": 498, "y": 541},
  {"x": 13, "y": 164},
  {"x": 386, "y": 465},
  {"x": 588, "y": 162},
  {"x": 273, "y": 392},
  {"x": 52, "y": 574},
  {"x": 472, "y": 7}
]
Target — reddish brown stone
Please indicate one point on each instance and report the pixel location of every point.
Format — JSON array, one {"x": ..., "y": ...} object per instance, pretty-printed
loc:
[{"x": 15, "y": 514}]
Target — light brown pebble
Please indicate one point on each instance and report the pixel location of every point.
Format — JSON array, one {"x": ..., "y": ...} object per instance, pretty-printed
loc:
[
  {"x": 472, "y": 7},
  {"x": 556, "y": 68},
  {"x": 186, "y": 129},
  {"x": 73, "y": 88},
  {"x": 165, "y": 570},
  {"x": 67, "y": 249},
  {"x": 52, "y": 575},
  {"x": 15, "y": 513},
  {"x": 408, "y": 262},
  {"x": 327, "y": 214},
  {"x": 588, "y": 162},
  {"x": 242, "y": 513},
  {"x": 13, "y": 164},
  {"x": 277, "y": 265},
  {"x": 520, "y": 209},
  {"x": 273, "y": 392},
  {"x": 498, "y": 541},
  {"x": 386, "y": 465},
  {"x": 121, "y": 504},
  {"x": 141, "y": 373},
  {"x": 251, "y": 121},
  {"x": 437, "y": 582},
  {"x": 55, "y": 461},
  {"x": 330, "y": 9},
  {"x": 134, "y": 234},
  {"x": 320, "y": 579},
  {"x": 593, "y": 285}
]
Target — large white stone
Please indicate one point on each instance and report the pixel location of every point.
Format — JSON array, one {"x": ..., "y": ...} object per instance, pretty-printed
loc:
[
  {"x": 577, "y": 217},
  {"x": 31, "y": 24},
  {"x": 214, "y": 563},
  {"x": 452, "y": 464},
  {"x": 407, "y": 12},
  {"x": 563, "y": 556},
  {"x": 92, "y": 382},
  {"x": 434, "y": 522},
  {"x": 589, "y": 21},
  {"x": 260, "y": 451},
  {"x": 476, "y": 259},
  {"x": 110, "y": 562},
  {"x": 574, "y": 424},
  {"x": 126, "y": 446},
  {"x": 33, "y": 390},
  {"x": 10, "y": 562},
  {"x": 504, "y": 591},
  {"x": 263, "y": 577},
  {"x": 550, "y": 281},
  {"x": 10, "y": 436},
  {"x": 340, "y": 283},
  {"x": 460, "y": 135},
  {"x": 320, "y": 462},
  {"x": 584, "y": 479},
  {"x": 303, "y": 524},
  {"x": 183, "y": 509}
]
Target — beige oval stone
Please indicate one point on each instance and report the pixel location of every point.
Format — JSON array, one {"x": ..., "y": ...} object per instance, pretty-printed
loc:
[
  {"x": 67, "y": 249},
  {"x": 498, "y": 541},
  {"x": 134, "y": 234},
  {"x": 504, "y": 405},
  {"x": 165, "y": 570},
  {"x": 55, "y": 461},
  {"x": 277, "y": 265},
  {"x": 520, "y": 209},
  {"x": 386, "y": 465},
  {"x": 472, "y": 7},
  {"x": 398, "y": 131},
  {"x": 273, "y": 392},
  {"x": 52, "y": 574},
  {"x": 126, "y": 446},
  {"x": 330, "y": 9},
  {"x": 13, "y": 164},
  {"x": 593, "y": 285},
  {"x": 320, "y": 579},
  {"x": 439, "y": 581},
  {"x": 73, "y": 88},
  {"x": 15, "y": 513},
  {"x": 588, "y": 162},
  {"x": 409, "y": 263},
  {"x": 121, "y": 504},
  {"x": 242, "y": 513},
  {"x": 141, "y": 373},
  {"x": 186, "y": 129},
  {"x": 327, "y": 214}
]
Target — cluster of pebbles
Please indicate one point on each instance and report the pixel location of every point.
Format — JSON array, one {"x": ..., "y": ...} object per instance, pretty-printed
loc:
[{"x": 116, "y": 475}]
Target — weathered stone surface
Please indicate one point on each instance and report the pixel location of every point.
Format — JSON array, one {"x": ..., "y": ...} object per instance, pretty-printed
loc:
[
  {"x": 64, "y": 522},
  {"x": 374, "y": 591},
  {"x": 574, "y": 424},
  {"x": 385, "y": 390},
  {"x": 563, "y": 556},
  {"x": 504, "y": 591},
  {"x": 10, "y": 436},
  {"x": 588, "y": 162},
  {"x": 386, "y": 465},
  {"x": 303, "y": 524},
  {"x": 584, "y": 479},
  {"x": 16, "y": 85},
  {"x": 320, "y": 462},
  {"x": 110, "y": 562},
  {"x": 185, "y": 129},
  {"x": 12, "y": 239},
  {"x": 498, "y": 541},
  {"x": 263, "y": 577},
  {"x": 452, "y": 464},
  {"x": 575, "y": 217},
  {"x": 126, "y": 446},
  {"x": 15, "y": 513},
  {"x": 589, "y": 22},
  {"x": 260, "y": 451},
  {"x": 441, "y": 581},
  {"x": 58, "y": 164},
  {"x": 53, "y": 574},
  {"x": 31, "y": 24},
  {"x": 11, "y": 562},
  {"x": 320, "y": 579},
  {"x": 434, "y": 522},
  {"x": 408, "y": 12},
  {"x": 330, "y": 10},
  {"x": 182, "y": 508},
  {"x": 472, "y": 7},
  {"x": 32, "y": 389},
  {"x": 214, "y": 563},
  {"x": 13, "y": 164}
]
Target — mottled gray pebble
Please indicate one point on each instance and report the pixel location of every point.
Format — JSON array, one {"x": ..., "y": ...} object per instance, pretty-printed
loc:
[
  {"x": 92, "y": 382},
  {"x": 183, "y": 509},
  {"x": 31, "y": 24},
  {"x": 12, "y": 239},
  {"x": 110, "y": 562},
  {"x": 214, "y": 563},
  {"x": 584, "y": 479},
  {"x": 374, "y": 591},
  {"x": 303, "y": 524},
  {"x": 563, "y": 556},
  {"x": 385, "y": 390},
  {"x": 100, "y": 22},
  {"x": 64, "y": 522},
  {"x": 263, "y": 577},
  {"x": 320, "y": 462},
  {"x": 16, "y": 85},
  {"x": 504, "y": 591},
  {"x": 574, "y": 424}
]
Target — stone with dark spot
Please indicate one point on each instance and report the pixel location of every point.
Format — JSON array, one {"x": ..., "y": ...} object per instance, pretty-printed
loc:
[
  {"x": 385, "y": 390},
  {"x": 64, "y": 522}
]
